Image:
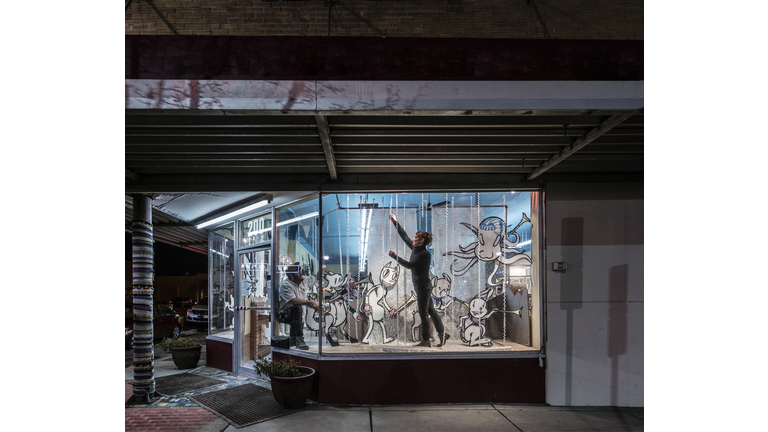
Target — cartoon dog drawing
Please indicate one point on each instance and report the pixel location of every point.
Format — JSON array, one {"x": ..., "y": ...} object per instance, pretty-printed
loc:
[
  {"x": 374, "y": 300},
  {"x": 492, "y": 245},
  {"x": 440, "y": 298},
  {"x": 472, "y": 325}
]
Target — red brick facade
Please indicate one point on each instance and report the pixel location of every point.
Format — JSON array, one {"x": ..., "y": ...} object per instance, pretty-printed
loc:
[{"x": 509, "y": 19}]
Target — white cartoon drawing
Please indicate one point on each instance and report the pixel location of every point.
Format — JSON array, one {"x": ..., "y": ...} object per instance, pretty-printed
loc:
[
  {"x": 441, "y": 299},
  {"x": 489, "y": 246},
  {"x": 338, "y": 307},
  {"x": 229, "y": 305},
  {"x": 374, "y": 300},
  {"x": 472, "y": 324}
]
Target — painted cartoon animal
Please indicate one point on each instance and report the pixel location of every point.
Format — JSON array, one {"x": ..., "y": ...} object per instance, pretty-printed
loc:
[
  {"x": 441, "y": 299},
  {"x": 335, "y": 314},
  {"x": 491, "y": 246},
  {"x": 229, "y": 305},
  {"x": 472, "y": 325},
  {"x": 374, "y": 300}
]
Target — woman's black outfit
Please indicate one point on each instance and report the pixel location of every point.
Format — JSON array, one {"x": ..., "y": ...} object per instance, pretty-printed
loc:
[{"x": 419, "y": 266}]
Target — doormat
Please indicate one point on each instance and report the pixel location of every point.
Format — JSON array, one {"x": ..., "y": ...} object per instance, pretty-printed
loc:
[
  {"x": 243, "y": 405},
  {"x": 183, "y": 382}
]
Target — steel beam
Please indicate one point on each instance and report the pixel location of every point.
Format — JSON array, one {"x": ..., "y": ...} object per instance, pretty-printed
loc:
[
  {"x": 325, "y": 137},
  {"x": 590, "y": 136}
]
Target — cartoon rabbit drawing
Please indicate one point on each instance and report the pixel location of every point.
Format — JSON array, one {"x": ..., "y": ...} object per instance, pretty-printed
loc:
[
  {"x": 374, "y": 300},
  {"x": 472, "y": 324},
  {"x": 440, "y": 298}
]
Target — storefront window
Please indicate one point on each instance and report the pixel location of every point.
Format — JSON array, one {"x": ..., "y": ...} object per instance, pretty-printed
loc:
[
  {"x": 256, "y": 230},
  {"x": 220, "y": 299},
  {"x": 297, "y": 242},
  {"x": 482, "y": 270}
]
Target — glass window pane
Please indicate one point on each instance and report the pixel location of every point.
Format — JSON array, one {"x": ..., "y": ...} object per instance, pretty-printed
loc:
[
  {"x": 297, "y": 242},
  {"x": 257, "y": 333},
  {"x": 220, "y": 298},
  {"x": 480, "y": 269}
]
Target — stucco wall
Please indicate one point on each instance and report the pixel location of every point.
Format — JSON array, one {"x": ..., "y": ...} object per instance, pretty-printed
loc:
[{"x": 595, "y": 308}]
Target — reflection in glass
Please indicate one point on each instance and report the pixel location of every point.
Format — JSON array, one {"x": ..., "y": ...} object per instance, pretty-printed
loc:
[{"x": 222, "y": 284}]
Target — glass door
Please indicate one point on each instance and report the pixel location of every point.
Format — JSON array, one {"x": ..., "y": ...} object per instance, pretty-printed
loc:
[{"x": 254, "y": 323}]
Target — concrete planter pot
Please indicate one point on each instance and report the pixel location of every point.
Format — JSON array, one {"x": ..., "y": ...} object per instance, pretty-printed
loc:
[
  {"x": 186, "y": 358},
  {"x": 293, "y": 392}
]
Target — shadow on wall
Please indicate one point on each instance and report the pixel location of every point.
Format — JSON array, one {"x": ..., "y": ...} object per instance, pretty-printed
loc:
[
  {"x": 617, "y": 324},
  {"x": 571, "y": 298},
  {"x": 571, "y": 289}
]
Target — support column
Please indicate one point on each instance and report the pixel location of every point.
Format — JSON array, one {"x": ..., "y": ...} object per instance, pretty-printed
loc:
[{"x": 143, "y": 275}]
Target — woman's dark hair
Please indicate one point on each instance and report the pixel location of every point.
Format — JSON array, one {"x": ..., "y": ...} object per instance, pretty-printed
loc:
[{"x": 426, "y": 236}]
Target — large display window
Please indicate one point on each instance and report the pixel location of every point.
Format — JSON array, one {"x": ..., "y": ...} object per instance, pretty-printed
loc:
[
  {"x": 482, "y": 273},
  {"x": 483, "y": 277}
]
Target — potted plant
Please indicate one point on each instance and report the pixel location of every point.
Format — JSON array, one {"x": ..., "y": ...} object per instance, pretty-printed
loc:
[
  {"x": 291, "y": 382},
  {"x": 185, "y": 351}
]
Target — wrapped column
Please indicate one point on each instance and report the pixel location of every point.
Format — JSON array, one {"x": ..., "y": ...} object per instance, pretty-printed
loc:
[{"x": 143, "y": 258}]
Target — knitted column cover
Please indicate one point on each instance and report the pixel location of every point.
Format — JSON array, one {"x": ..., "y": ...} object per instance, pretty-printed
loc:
[{"x": 143, "y": 333}]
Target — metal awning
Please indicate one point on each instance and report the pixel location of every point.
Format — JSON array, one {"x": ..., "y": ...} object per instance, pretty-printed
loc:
[{"x": 181, "y": 150}]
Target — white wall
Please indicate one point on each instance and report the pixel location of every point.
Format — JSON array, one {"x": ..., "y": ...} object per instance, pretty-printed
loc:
[{"x": 595, "y": 308}]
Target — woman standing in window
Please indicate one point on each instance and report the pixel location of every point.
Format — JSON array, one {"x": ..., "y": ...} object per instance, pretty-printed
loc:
[{"x": 419, "y": 267}]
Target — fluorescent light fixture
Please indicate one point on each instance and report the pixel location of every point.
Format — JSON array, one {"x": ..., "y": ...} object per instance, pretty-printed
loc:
[
  {"x": 296, "y": 219},
  {"x": 259, "y": 231},
  {"x": 233, "y": 214},
  {"x": 518, "y": 271}
]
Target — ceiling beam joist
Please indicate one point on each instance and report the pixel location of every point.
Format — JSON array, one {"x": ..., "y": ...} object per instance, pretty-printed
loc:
[
  {"x": 325, "y": 137},
  {"x": 577, "y": 145},
  {"x": 130, "y": 176}
]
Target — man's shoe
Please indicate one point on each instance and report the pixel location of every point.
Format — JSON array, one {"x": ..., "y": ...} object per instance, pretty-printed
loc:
[
  {"x": 425, "y": 344},
  {"x": 443, "y": 337},
  {"x": 300, "y": 344}
]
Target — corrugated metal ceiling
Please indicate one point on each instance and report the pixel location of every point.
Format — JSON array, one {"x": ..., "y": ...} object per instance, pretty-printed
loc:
[{"x": 206, "y": 149}]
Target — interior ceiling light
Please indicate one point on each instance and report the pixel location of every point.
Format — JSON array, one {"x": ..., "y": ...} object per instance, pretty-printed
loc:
[
  {"x": 233, "y": 214},
  {"x": 296, "y": 219}
]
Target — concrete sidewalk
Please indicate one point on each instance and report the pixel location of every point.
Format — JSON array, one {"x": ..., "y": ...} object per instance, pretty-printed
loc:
[{"x": 399, "y": 418}]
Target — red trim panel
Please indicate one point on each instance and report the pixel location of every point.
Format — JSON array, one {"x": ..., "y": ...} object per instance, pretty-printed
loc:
[
  {"x": 426, "y": 381},
  {"x": 218, "y": 355},
  {"x": 381, "y": 59}
]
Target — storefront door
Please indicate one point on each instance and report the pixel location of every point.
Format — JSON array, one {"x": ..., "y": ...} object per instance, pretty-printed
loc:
[{"x": 254, "y": 331}]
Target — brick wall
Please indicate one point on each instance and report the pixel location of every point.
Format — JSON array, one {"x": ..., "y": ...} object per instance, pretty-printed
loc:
[{"x": 579, "y": 19}]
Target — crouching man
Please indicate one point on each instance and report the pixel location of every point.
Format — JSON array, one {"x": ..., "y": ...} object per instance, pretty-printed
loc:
[{"x": 293, "y": 295}]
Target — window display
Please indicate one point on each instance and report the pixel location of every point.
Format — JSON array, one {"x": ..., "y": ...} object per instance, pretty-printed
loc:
[
  {"x": 354, "y": 274},
  {"x": 479, "y": 278}
]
